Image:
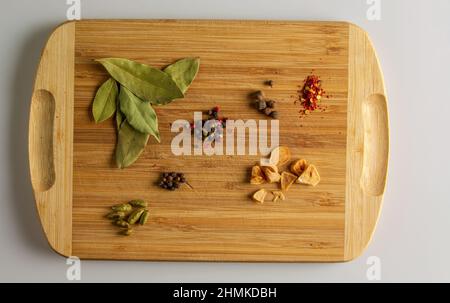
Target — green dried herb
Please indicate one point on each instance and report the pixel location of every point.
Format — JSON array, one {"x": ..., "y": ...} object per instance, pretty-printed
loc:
[
  {"x": 135, "y": 216},
  {"x": 130, "y": 145},
  {"x": 139, "y": 203},
  {"x": 148, "y": 83},
  {"x": 104, "y": 104},
  {"x": 183, "y": 72},
  {"x": 122, "y": 207},
  {"x": 144, "y": 217},
  {"x": 119, "y": 116},
  {"x": 140, "y": 85},
  {"x": 140, "y": 115}
]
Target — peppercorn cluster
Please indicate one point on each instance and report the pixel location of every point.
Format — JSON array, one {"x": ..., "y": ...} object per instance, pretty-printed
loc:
[
  {"x": 210, "y": 128},
  {"x": 264, "y": 105},
  {"x": 172, "y": 181}
]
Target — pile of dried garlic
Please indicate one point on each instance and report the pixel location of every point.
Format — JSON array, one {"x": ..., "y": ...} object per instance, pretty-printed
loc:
[{"x": 268, "y": 172}]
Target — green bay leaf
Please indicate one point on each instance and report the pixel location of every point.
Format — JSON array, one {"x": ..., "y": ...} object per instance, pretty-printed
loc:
[
  {"x": 119, "y": 115},
  {"x": 183, "y": 72},
  {"x": 148, "y": 83},
  {"x": 119, "y": 118},
  {"x": 139, "y": 114},
  {"x": 130, "y": 145},
  {"x": 104, "y": 104}
]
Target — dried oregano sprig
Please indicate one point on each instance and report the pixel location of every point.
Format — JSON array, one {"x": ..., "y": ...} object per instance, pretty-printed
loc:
[{"x": 127, "y": 214}]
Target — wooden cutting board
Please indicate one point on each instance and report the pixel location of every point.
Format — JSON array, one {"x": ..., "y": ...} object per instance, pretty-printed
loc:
[{"x": 71, "y": 158}]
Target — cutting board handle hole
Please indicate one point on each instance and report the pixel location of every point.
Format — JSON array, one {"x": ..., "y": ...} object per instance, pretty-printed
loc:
[
  {"x": 42, "y": 118},
  {"x": 376, "y": 145}
]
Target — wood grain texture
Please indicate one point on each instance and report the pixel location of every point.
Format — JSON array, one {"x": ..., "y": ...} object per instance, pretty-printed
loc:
[
  {"x": 216, "y": 221},
  {"x": 51, "y": 138},
  {"x": 367, "y": 143}
]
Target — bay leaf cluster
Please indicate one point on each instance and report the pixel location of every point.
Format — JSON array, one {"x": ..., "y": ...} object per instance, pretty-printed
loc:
[{"x": 131, "y": 92}]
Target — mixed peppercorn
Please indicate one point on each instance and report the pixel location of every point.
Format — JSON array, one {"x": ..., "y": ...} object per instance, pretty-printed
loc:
[{"x": 210, "y": 128}]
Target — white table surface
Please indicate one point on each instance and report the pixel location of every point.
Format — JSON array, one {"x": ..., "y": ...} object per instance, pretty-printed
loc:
[{"x": 412, "y": 239}]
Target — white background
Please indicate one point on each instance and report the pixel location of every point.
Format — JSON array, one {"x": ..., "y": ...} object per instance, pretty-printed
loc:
[{"x": 412, "y": 238}]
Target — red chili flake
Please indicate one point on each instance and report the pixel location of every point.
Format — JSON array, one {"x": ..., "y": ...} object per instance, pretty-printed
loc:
[{"x": 311, "y": 94}]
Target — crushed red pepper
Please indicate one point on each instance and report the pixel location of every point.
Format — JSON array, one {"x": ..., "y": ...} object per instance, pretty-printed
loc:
[{"x": 311, "y": 94}]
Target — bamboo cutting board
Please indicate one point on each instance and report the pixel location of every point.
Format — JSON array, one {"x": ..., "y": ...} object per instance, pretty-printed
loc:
[{"x": 71, "y": 158}]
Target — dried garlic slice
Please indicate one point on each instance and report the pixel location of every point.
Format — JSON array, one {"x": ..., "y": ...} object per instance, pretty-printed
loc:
[
  {"x": 260, "y": 195},
  {"x": 271, "y": 173},
  {"x": 287, "y": 179},
  {"x": 280, "y": 156},
  {"x": 310, "y": 176},
  {"x": 257, "y": 176},
  {"x": 298, "y": 167},
  {"x": 278, "y": 195}
]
